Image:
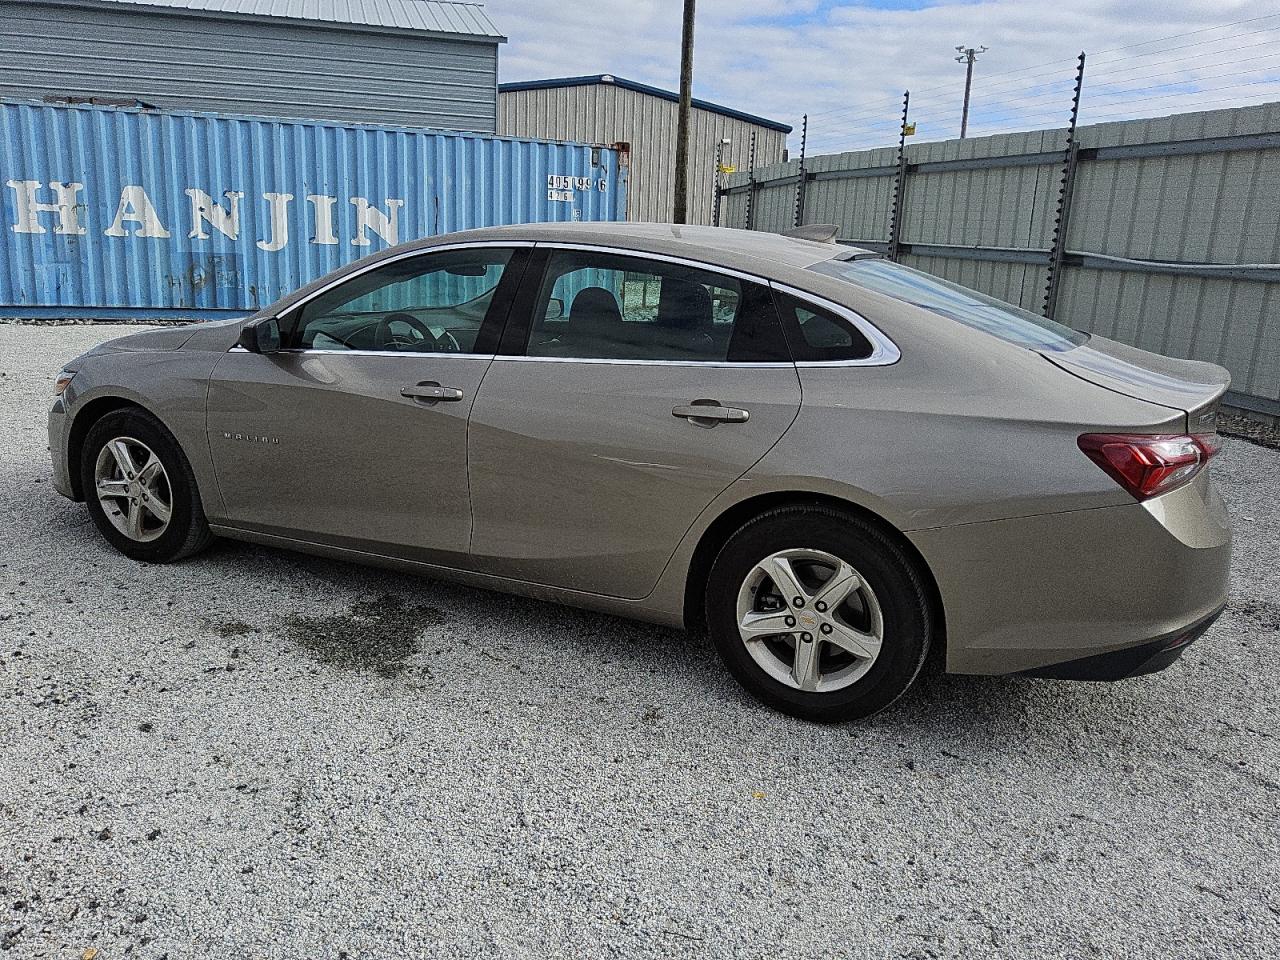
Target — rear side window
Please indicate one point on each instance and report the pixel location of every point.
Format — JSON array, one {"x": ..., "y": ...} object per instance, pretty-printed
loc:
[
  {"x": 815, "y": 334},
  {"x": 602, "y": 306},
  {"x": 947, "y": 299}
]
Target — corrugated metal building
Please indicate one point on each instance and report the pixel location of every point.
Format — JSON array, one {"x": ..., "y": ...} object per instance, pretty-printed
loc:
[
  {"x": 419, "y": 63},
  {"x": 609, "y": 109}
]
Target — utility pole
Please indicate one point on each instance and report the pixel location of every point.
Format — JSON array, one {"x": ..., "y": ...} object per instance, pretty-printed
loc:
[
  {"x": 680, "y": 205},
  {"x": 967, "y": 56}
]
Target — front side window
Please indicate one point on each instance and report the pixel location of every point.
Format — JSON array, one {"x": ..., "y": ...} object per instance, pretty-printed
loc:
[
  {"x": 947, "y": 299},
  {"x": 612, "y": 307},
  {"x": 434, "y": 303}
]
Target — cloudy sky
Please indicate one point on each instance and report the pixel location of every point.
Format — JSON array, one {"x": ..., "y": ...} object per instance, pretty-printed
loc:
[{"x": 846, "y": 62}]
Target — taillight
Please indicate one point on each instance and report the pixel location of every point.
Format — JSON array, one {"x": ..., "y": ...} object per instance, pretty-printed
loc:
[{"x": 1148, "y": 465}]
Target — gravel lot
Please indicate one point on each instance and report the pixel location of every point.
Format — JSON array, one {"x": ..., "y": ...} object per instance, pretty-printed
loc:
[{"x": 258, "y": 754}]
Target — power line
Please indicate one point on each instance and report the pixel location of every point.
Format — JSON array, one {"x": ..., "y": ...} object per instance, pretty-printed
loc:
[
  {"x": 856, "y": 140},
  {"x": 1111, "y": 90},
  {"x": 1004, "y": 78},
  {"x": 1115, "y": 108},
  {"x": 1126, "y": 93},
  {"x": 865, "y": 111}
]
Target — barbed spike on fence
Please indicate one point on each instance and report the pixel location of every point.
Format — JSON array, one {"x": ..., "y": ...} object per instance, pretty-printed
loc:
[
  {"x": 800, "y": 184},
  {"x": 1057, "y": 249},
  {"x": 899, "y": 181}
]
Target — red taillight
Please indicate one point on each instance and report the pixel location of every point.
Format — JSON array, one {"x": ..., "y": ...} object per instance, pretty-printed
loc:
[{"x": 1149, "y": 465}]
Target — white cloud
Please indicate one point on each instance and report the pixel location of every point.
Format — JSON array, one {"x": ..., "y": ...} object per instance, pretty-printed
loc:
[{"x": 847, "y": 63}]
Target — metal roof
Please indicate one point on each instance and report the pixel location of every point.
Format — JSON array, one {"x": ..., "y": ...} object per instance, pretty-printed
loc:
[
  {"x": 610, "y": 79},
  {"x": 426, "y": 16}
]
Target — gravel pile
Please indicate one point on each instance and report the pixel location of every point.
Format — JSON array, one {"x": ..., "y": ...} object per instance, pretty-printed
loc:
[{"x": 256, "y": 754}]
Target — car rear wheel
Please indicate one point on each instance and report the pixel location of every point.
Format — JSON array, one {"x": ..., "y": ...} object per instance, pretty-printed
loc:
[
  {"x": 818, "y": 613},
  {"x": 140, "y": 490}
]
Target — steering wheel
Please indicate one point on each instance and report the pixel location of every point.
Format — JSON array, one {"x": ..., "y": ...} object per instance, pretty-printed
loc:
[{"x": 394, "y": 341}]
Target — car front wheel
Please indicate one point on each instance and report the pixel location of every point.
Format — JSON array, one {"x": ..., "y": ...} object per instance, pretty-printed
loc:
[
  {"x": 140, "y": 490},
  {"x": 818, "y": 613}
]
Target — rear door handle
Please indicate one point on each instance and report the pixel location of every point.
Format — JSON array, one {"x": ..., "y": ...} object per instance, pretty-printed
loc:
[
  {"x": 710, "y": 410},
  {"x": 430, "y": 392}
]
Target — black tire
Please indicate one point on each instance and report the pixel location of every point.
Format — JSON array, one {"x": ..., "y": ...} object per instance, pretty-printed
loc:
[
  {"x": 888, "y": 570},
  {"x": 188, "y": 531}
]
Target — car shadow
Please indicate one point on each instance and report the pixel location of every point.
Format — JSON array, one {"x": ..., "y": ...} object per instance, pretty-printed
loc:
[{"x": 386, "y": 610}]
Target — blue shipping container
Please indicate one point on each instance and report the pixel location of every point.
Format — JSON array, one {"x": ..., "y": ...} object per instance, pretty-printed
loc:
[{"x": 113, "y": 212}]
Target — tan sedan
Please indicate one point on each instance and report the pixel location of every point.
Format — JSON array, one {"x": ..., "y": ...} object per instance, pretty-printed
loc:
[{"x": 829, "y": 461}]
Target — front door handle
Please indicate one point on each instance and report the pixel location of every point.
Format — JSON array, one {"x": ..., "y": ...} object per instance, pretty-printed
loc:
[
  {"x": 712, "y": 411},
  {"x": 430, "y": 392}
]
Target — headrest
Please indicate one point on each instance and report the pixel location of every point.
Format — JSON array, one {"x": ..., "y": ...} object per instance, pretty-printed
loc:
[
  {"x": 594, "y": 308},
  {"x": 684, "y": 305}
]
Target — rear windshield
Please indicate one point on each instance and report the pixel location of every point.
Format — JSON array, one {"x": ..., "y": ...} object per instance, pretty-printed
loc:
[{"x": 961, "y": 304}]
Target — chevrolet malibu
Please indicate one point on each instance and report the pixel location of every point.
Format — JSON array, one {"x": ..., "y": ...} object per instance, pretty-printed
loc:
[{"x": 829, "y": 462}]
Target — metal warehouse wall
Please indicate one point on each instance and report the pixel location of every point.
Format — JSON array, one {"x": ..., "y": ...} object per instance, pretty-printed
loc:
[
  {"x": 1173, "y": 240},
  {"x": 125, "y": 213},
  {"x": 605, "y": 113},
  {"x": 197, "y": 61}
]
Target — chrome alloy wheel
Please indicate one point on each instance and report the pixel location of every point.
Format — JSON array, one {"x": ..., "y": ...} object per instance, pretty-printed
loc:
[
  {"x": 810, "y": 620},
  {"x": 133, "y": 489}
]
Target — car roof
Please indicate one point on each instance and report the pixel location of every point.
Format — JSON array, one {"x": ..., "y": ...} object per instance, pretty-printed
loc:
[
  {"x": 722, "y": 244},
  {"x": 769, "y": 255}
]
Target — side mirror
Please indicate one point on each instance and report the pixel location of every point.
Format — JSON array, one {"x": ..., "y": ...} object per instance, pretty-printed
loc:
[
  {"x": 260, "y": 337},
  {"x": 555, "y": 308}
]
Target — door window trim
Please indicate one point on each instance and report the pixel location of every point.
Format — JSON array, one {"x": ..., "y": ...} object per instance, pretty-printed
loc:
[
  {"x": 884, "y": 351},
  {"x": 396, "y": 258},
  {"x": 515, "y": 339}
]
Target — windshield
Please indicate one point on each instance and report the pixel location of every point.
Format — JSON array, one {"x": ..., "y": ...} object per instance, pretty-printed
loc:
[{"x": 958, "y": 303}]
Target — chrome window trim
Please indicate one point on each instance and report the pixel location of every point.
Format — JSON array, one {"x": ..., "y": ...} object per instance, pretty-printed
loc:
[
  {"x": 419, "y": 252},
  {"x": 386, "y": 353},
  {"x": 648, "y": 363},
  {"x": 236, "y": 348},
  {"x": 884, "y": 352},
  {"x": 660, "y": 257}
]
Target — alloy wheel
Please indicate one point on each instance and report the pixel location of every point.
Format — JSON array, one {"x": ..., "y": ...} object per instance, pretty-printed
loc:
[
  {"x": 133, "y": 489},
  {"x": 810, "y": 620}
]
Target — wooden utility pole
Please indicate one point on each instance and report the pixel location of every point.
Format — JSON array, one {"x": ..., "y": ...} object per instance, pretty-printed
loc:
[{"x": 680, "y": 204}]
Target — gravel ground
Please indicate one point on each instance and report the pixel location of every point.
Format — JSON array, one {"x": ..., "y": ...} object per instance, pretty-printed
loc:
[
  {"x": 1246, "y": 428},
  {"x": 258, "y": 754}
]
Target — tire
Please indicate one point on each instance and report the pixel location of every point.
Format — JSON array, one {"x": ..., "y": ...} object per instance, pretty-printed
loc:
[
  {"x": 185, "y": 531},
  {"x": 889, "y": 600}
]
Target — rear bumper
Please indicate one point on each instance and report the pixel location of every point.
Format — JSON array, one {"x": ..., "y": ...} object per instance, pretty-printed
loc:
[
  {"x": 1113, "y": 591},
  {"x": 1149, "y": 657}
]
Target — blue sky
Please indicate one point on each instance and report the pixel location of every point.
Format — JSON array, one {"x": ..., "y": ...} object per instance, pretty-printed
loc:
[{"x": 846, "y": 63}]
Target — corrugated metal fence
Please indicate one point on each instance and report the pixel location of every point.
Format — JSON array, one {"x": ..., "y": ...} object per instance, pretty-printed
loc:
[
  {"x": 1172, "y": 240},
  {"x": 128, "y": 213}
]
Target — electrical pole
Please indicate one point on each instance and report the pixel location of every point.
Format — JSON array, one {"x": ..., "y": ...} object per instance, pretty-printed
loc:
[
  {"x": 679, "y": 207},
  {"x": 967, "y": 56}
]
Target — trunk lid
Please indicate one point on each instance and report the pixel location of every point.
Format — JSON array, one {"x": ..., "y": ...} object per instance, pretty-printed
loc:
[{"x": 1192, "y": 386}]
